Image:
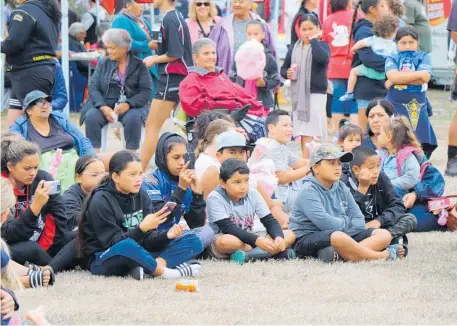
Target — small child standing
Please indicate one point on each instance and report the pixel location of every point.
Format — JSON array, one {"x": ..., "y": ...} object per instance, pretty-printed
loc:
[
  {"x": 262, "y": 88},
  {"x": 233, "y": 209},
  {"x": 408, "y": 74},
  {"x": 306, "y": 66},
  {"x": 382, "y": 43}
]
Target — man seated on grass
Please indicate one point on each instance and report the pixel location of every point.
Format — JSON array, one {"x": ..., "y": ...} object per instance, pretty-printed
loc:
[
  {"x": 376, "y": 197},
  {"x": 327, "y": 221},
  {"x": 232, "y": 144},
  {"x": 233, "y": 209},
  {"x": 290, "y": 169}
]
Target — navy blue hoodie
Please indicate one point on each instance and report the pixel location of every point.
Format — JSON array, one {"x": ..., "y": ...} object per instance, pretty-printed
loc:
[
  {"x": 32, "y": 36},
  {"x": 367, "y": 89}
]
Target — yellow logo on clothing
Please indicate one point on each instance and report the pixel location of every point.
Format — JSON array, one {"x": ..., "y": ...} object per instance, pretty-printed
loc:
[
  {"x": 414, "y": 111},
  {"x": 18, "y": 17}
]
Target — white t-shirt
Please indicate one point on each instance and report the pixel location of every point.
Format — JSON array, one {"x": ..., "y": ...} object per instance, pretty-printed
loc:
[{"x": 204, "y": 161}]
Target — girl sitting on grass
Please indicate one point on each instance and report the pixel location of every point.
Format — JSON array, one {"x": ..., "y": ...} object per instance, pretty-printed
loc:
[{"x": 117, "y": 233}]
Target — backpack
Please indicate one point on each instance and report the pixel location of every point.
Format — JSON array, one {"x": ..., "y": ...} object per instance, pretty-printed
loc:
[
  {"x": 254, "y": 127},
  {"x": 431, "y": 183}
]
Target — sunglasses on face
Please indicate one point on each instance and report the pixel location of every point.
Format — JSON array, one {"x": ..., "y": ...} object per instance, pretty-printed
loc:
[{"x": 199, "y": 4}]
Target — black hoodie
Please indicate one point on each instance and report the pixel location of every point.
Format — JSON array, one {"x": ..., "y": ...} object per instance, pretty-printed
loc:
[
  {"x": 367, "y": 89},
  {"x": 270, "y": 75},
  {"x": 161, "y": 186},
  {"x": 381, "y": 201},
  {"x": 32, "y": 36},
  {"x": 48, "y": 229},
  {"x": 73, "y": 199},
  {"x": 112, "y": 217}
]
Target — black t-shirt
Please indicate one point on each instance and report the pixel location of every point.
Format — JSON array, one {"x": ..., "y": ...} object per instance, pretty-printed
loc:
[
  {"x": 175, "y": 42},
  {"x": 57, "y": 138}
]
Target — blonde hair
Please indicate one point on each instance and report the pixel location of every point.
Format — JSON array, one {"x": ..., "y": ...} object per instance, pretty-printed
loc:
[
  {"x": 9, "y": 279},
  {"x": 193, "y": 9},
  {"x": 214, "y": 129},
  {"x": 402, "y": 134}
]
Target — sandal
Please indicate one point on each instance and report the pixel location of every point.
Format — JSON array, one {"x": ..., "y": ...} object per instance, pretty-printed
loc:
[
  {"x": 32, "y": 267},
  {"x": 36, "y": 278},
  {"x": 393, "y": 251}
]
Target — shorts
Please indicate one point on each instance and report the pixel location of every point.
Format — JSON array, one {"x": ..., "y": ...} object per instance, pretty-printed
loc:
[
  {"x": 168, "y": 88},
  {"x": 339, "y": 107},
  {"x": 213, "y": 253},
  {"x": 310, "y": 244},
  {"x": 370, "y": 73},
  {"x": 23, "y": 81},
  {"x": 362, "y": 104}
]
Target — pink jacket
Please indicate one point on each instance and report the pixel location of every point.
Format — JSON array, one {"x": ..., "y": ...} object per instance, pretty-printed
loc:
[{"x": 194, "y": 28}]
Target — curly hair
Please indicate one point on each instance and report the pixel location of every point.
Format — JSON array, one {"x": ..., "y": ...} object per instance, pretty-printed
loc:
[
  {"x": 385, "y": 26},
  {"x": 402, "y": 134},
  {"x": 396, "y": 7}
]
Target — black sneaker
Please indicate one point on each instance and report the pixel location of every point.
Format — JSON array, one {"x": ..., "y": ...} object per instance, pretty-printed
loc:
[
  {"x": 451, "y": 169},
  {"x": 328, "y": 255},
  {"x": 137, "y": 273}
]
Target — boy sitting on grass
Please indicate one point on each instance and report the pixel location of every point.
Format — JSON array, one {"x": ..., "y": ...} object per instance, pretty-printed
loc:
[
  {"x": 376, "y": 197},
  {"x": 290, "y": 169},
  {"x": 232, "y": 144},
  {"x": 233, "y": 209},
  {"x": 327, "y": 221}
]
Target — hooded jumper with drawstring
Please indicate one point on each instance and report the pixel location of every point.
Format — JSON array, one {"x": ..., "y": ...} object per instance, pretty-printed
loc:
[
  {"x": 381, "y": 203},
  {"x": 162, "y": 187},
  {"x": 113, "y": 242},
  {"x": 48, "y": 229}
]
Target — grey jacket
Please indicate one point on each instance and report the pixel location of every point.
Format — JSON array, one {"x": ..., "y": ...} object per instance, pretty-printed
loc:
[
  {"x": 270, "y": 75},
  {"x": 320, "y": 209},
  {"x": 138, "y": 84}
]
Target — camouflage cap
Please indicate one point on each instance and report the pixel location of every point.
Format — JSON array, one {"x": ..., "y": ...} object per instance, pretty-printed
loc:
[{"x": 329, "y": 152}]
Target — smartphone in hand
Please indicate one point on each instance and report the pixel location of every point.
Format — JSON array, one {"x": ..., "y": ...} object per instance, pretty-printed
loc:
[{"x": 169, "y": 206}]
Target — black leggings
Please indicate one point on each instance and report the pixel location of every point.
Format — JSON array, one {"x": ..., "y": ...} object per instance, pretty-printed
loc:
[
  {"x": 66, "y": 259},
  {"x": 29, "y": 251}
]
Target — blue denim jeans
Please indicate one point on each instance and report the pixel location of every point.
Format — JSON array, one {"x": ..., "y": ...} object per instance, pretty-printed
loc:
[
  {"x": 426, "y": 221},
  {"x": 127, "y": 254},
  {"x": 339, "y": 107}
]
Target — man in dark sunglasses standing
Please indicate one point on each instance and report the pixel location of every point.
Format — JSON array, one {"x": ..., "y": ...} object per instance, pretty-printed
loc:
[{"x": 173, "y": 60}]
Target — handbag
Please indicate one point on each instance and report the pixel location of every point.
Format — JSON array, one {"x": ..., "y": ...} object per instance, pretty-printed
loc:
[{"x": 446, "y": 211}]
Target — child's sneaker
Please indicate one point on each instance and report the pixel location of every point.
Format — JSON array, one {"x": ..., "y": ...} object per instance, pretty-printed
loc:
[
  {"x": 239, "y": 257},
  {"x": 347, "y": 97},
  {"x": 137, "y": 273}
]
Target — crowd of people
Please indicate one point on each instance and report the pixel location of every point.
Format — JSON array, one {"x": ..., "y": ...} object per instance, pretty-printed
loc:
[{"x": 233, "y": 189}]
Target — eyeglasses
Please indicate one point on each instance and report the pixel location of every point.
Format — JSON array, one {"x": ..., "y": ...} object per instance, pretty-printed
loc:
[
  {"x": 42, "y": 103},
  {"x": 199, "y": 4},
  {"x": 96, "y": 174}
]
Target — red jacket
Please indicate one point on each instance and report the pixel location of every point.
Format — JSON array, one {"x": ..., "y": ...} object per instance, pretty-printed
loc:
[
  {"x": 202, "y": 90},
  {"x": 336, "y": 33}
]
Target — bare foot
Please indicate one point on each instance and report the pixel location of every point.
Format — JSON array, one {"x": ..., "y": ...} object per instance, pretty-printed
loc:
[
  {"x": 117, "y": 132},
  {"x": 400, "y": 251},
  {"x": 37, "y": 316}
]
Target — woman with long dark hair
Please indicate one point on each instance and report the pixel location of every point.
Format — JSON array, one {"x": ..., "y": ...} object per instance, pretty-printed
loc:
[
  {"x": 30, "y": 50},
  {"x": 118, "y": 232}
]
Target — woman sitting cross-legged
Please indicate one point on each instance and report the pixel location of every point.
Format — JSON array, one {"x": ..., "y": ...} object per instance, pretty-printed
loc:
[
  {"x": 117, "y": 233},
  {"x": 120, "y": 89},
  {"x": 173, "y": 181},
  {"x": 235, "y": 211},
  {"x": 53, "y": 132},
  {"x": 36, "y": 229}
]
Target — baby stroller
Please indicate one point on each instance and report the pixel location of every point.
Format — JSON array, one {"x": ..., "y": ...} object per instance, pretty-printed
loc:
[{"x": 254, "y": 126}]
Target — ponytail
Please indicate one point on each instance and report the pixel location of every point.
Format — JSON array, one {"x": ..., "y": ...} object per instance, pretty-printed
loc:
[
  {"x": 14, "y": 151},
  {"x": 354, "y": 17},
  {"x": 117, "y": 164}
]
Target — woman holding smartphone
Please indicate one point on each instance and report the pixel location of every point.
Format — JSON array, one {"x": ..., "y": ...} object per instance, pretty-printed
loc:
[
  {"x": 36, "y": 228},
  {"x": 174, "y": 185},
  {"x": 118, "y": 233}
]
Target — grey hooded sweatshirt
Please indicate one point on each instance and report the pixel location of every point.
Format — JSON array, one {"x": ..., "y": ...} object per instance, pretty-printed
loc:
[{"x": 320, "y": 209}]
